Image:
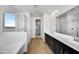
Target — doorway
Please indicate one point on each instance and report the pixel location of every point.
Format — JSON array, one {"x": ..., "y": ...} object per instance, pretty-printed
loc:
[{"x": 38, "y": 27}]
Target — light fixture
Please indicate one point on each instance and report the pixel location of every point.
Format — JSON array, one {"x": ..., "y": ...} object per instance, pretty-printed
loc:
[
  {"x": 54, "y": 12},
  {"x": 35, "y": 6}
]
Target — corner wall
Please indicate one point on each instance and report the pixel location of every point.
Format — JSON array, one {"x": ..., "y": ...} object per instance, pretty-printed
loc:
[{"x": 49, "y": 23}]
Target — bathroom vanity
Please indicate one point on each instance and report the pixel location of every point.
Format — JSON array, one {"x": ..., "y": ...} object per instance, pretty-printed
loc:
[{"x": 62, "y": 44}]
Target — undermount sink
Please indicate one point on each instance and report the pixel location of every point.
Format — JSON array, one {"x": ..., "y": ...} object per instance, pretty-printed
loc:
[{"x": 76, "y": 39}]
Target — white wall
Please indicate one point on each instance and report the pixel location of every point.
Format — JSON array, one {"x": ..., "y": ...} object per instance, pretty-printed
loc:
[
  {"x": 25, "y": 24},
  {"x": 28, "y": 27},
  {"x": 61, "y": 24},
  {"x": 49, "y": 23},
  {"x": 1, "y": 22},
  {"x": 53, "y": 24},
  {"x": 21, "y": 22},
  {"x": 46, "y": 19}
]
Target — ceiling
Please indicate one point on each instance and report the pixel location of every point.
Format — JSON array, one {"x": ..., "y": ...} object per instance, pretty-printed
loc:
[{"x": 36, "y": 10}]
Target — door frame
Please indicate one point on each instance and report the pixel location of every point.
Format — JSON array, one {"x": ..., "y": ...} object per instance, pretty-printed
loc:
[
  {"x": 36, "y": 26},
  {"x": 33, "y": 32}
]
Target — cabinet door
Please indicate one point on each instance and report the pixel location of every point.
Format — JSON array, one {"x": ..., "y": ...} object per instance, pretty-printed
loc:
[
  {"x": 69, "y": 50},
  {"x": 54, "y": 45},
  {"x": 58, "y": 48},
  {"x": 51, "y": 44},
  {"x": 47, "y": 40}
]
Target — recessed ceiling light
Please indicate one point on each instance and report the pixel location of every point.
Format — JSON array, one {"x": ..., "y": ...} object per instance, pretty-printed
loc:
[
  {"x": 49, "y": 10},
  {"x": 35, "y": 6}
]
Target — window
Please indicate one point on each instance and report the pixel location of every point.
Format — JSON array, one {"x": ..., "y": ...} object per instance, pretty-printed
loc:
[{"x": 9, "y": 20}]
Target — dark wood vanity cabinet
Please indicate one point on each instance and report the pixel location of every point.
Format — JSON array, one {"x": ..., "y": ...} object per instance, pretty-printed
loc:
[
  {"x": 58, "y": 47},
  {"x": 53, "y": 44},
  {"x": 49, "y": 41},
  {"x": 69, "y": 50}
]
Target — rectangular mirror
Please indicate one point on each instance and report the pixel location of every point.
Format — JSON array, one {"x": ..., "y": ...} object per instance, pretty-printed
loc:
[{"x": 68, "y": 23}]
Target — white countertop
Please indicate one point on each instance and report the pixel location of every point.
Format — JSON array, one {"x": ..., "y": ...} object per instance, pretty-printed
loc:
[
  {"x": 11, "y": 42},
  {"x": 66, "y": 39}
]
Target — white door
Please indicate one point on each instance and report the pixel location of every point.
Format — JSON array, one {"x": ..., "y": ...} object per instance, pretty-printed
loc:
[{"x": 38, "y": 27}]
